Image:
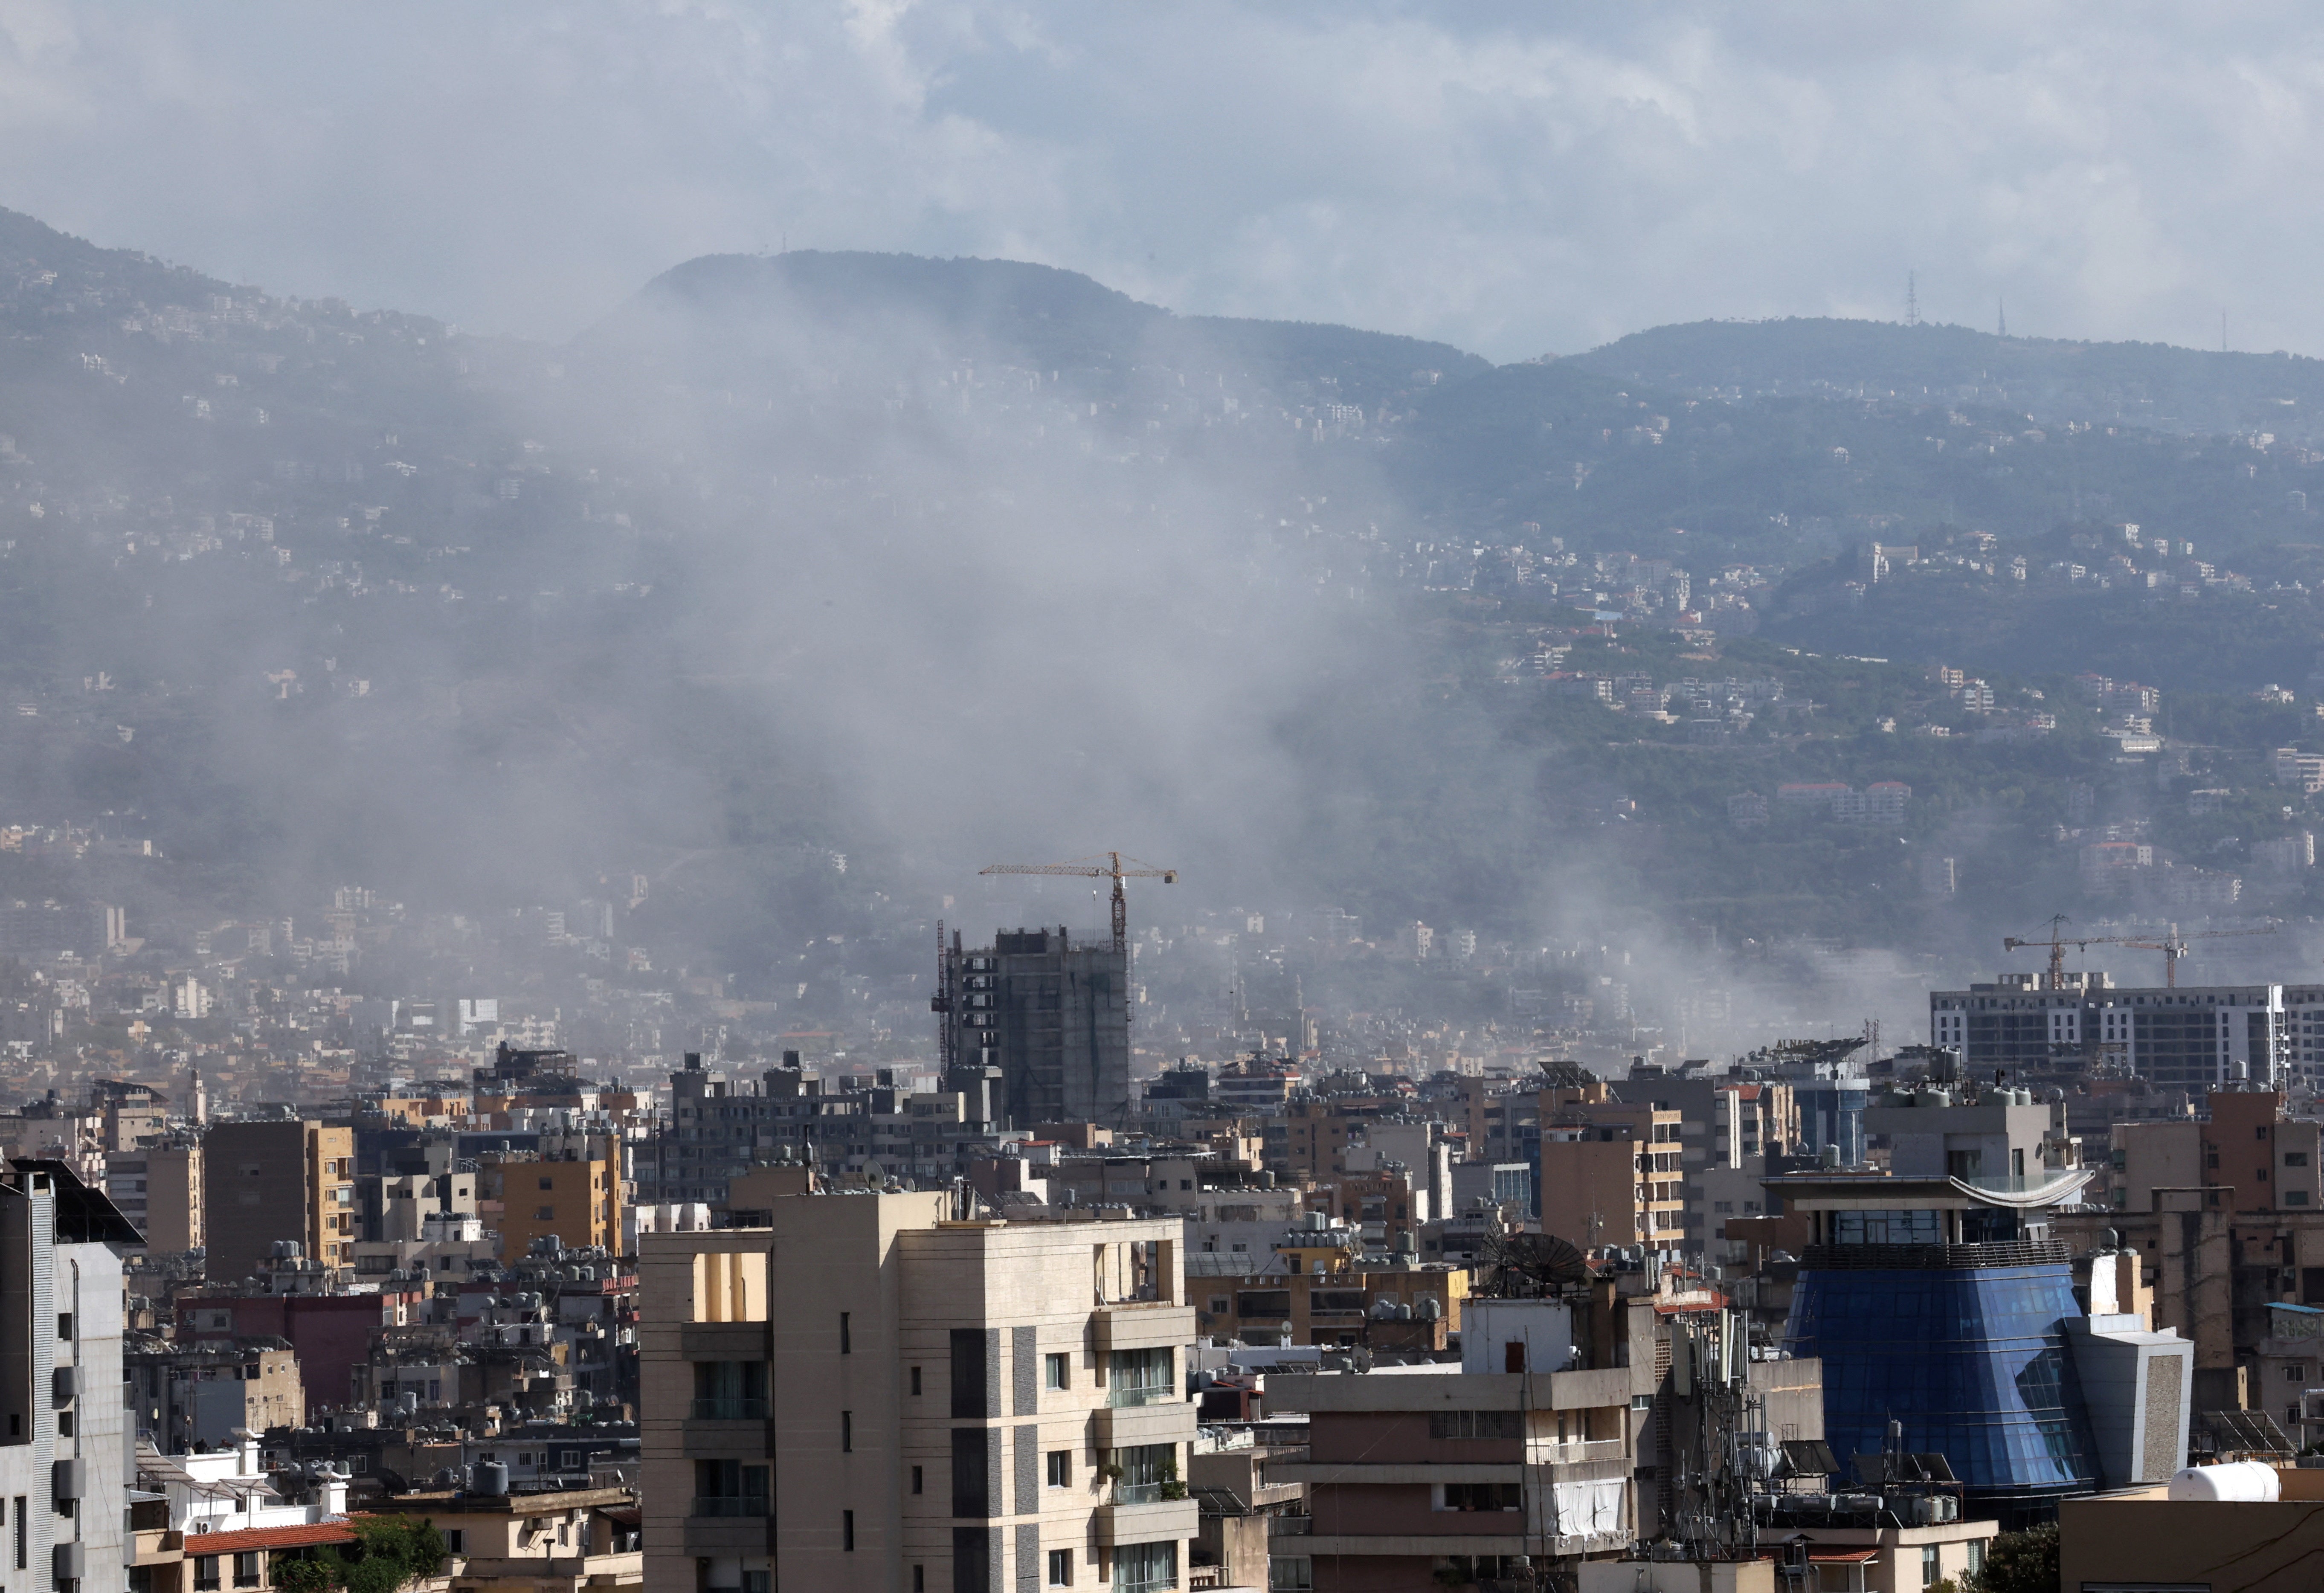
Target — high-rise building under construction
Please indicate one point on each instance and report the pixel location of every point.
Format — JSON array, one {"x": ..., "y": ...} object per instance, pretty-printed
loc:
[{"x": 1052, "y": 1017}]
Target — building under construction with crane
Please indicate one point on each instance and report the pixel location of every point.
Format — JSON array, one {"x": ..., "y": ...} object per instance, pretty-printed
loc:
[
  {"x": 1037, "y": 1024},
  {"x": 2191, "y": 1037}
]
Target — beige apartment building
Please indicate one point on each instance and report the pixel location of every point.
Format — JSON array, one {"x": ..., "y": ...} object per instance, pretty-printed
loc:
[
  {"x": 159, "y": 1188},
  {"x": 1611, "y": 1173},
  {"x": 577, "y": 1198},
  {"x": 263, "y": 1182},
  {"x": 870, "y": 1392}
]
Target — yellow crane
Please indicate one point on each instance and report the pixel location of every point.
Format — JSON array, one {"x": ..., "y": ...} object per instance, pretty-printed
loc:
[
  {"x": 2171, "y": 945},
  {"x": 1106, "y": 865}
]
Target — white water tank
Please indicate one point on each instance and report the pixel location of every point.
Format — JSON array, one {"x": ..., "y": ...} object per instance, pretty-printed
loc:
[{"x": 2246, "y": 1482}]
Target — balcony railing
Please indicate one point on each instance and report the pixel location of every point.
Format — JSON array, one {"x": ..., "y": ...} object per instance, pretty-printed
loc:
[
  {"x": 729, "y": 1410},
  {"x": 1146, "y": 1492},
  {"x": 730, "y": 1507},
  {"x": 1121, "y": 1398},
  {"x": 1144, "y": 1584}
]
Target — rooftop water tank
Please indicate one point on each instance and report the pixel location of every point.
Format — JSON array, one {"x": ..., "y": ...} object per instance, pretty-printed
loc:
[{"x": 2242, "y": 1481}]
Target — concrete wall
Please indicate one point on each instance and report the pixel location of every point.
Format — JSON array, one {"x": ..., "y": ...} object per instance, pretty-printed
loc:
[{"x": 2231, "y": 1548}]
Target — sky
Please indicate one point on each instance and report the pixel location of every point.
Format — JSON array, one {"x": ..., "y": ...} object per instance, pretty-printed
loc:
[{"x": 1516, "y": 180}]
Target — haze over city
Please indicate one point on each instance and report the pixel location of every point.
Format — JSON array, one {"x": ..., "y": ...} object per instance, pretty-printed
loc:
[{"x": 1622, "y": 710}]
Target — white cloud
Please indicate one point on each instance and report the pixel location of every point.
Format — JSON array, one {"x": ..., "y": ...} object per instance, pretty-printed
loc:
[{"x": 1511, "y": 178}]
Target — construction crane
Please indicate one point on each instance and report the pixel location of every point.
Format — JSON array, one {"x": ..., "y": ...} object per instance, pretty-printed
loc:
[
  {"x": 2172, "y": 945},
  {"x": 1106, "y": 865},
  {"x": 2057, "y": 944}
]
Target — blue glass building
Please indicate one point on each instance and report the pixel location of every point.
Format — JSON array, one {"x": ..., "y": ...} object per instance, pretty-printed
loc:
[{"x": 1943, "y": 1309}]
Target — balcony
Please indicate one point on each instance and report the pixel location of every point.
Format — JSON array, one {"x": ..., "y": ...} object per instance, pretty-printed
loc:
[
  {"x": 1147, "y": 1521},
  {"x": 729, "y": 1410},
  {"x": 1128, "y": 1426},
  {"x": 1142, "y": 1324},
  {"x": 729, "y": 1507},
  {"x": 1126, "y": 1399}
]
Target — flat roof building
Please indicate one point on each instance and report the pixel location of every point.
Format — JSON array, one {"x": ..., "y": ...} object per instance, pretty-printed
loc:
[
  {"x": 2188, "y": 1037},
  {"x": 870, "y": 1392}
]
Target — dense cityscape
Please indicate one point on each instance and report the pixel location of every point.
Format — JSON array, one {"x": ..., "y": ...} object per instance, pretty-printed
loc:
[{"x": 775, "y": 818}]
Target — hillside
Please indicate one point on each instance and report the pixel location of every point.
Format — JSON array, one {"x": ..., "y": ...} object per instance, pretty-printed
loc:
[
  {"x": 917, "y": 564},
  {"x": 2049, "y": 381}
]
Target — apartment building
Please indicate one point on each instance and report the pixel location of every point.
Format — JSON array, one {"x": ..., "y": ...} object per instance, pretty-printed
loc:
[
  {"x": 1610, "y": 1174},
  {"x": 576, "y": 1197},
  {"x": 2226, "y": 1213},
  {"x": 63, "y": 1445},
  {"x": 266, "y": 1182},
  {"x": 872, "y": 1391},
  {"x": 1524, "y": 1451},
  {"x": 158, "y": 1187}
]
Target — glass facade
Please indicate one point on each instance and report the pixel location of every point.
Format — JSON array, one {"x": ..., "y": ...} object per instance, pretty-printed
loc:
[
  {"x": 1972, "y": 1360},
  {"x": 1832, "y": 1112}
]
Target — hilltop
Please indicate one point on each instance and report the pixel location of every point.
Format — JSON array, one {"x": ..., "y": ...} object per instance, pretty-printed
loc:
[{"x": 2050, "y": 381}]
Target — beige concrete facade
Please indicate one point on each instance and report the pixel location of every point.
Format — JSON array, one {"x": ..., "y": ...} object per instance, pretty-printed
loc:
[
  {"x": 937, "y": 1405},
  {"x": 1611, "y": 1175},
  {"x": 267, "y": 1182},
  {"x": 579, "y": 1201}
]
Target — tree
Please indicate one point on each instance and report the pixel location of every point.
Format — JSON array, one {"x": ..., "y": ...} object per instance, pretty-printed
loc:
[
  {"x": 390, "y": 1551},
  {"x": 2020, "y": 1563}
]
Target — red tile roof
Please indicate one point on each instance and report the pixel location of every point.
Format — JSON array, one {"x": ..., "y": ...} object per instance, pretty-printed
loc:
[{"x": 270, "y": 1537}]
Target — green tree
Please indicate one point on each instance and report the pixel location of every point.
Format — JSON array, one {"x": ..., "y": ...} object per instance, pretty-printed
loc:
[
  {"x": 2020, "y": 1563},
  {"x": 390, "y": 1551}
]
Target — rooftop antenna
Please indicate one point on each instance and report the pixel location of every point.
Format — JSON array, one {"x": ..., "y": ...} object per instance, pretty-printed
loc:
[{"x": 1912, "y": 299}]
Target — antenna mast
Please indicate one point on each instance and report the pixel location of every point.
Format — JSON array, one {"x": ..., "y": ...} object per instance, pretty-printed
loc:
[{"x": 1912, "y": 299}]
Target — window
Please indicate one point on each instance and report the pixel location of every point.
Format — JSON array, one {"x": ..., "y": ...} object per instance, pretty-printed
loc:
[
  {"x": 1976, "y": 1555},
  {"x": 548, "y": 1183},
  {"x": 64, "y": 1324},
  {"x": 915, "y": 1381},
  {"x": 1140, "y": 1377},
  {"x": 847, "y": 1432},
  {"x": 845, "y": 1345},
  {"x": 1061, "y": 1468},
  {"x": 1145, "y": 1568},
  {"x": 1928, "y": 1565},
  {"x": 1473, "y": 1424},
  {"x": 456, "y": 1542},
  {"x": 1061, "y": 1568},
  {"x": 206, "y": 1567},
  {"x": 1481, "y": 1495},
  {"x": 918, "y": 1477},
  {"x": 920, "y": 1578},
  {"x": 246, "y": 1569},
  {"x": 972, "y": 1383},
  {"x": 2295, "y": 1158},
  {"x": 544, "y": 1214},
  {"x": 848, "y": 1531},
  {"x": 2295, "y": 1372},
  {"x": 1288, "y": 1573},
  {"x": 1056, "y": 1371}
]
